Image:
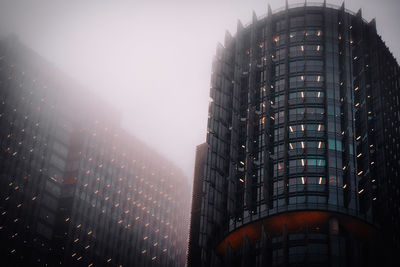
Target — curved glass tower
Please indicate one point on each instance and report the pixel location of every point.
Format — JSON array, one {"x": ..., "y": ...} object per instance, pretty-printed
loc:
[{"x": 296, "y": 171}]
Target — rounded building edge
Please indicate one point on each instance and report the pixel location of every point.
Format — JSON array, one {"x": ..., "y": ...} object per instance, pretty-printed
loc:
[{"x": 318, "y": 220}]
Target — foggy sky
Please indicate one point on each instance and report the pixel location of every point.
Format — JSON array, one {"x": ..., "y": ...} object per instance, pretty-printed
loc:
[{"x": 152, "y": 58}]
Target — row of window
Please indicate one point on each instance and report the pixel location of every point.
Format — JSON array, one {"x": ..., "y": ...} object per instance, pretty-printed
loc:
[
  {"x": 300, "y": 200},
  {"x": 306, "y": 144},
  {"x": 310, "y": 34},
  {"x": 301, "y": 145},
  {"x": 305, "y": 78},
  {"x": 300, "y": 66},
  {"x": 300, "y": 81},
  {"x": 332, "y": 145},
  {"x": 309, "y": 161},
  {"x": 299, "y": 111},
  {"x": 302, "y": 180},
  {"x": 311, "y": 93},
  {"x": 309, "y": 19},
  {"x": 305, "y": 33},
  {"x": 300, "y": 128},
  {"x": 300, "y": 50}
]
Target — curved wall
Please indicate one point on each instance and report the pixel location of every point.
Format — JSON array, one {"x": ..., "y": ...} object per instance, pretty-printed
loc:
[{"x": 290, "y": 136}]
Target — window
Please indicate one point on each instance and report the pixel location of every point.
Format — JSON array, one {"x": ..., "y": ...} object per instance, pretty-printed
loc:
[
  {"x": 297, "y": 128},
  {"x": 313, "y": 19},
  {"x": 280, "y": 84},
  {"x": 305, "y": 80},
  {"x": 279, "y": 39},
  {"x": 280, "y": 69},
  {"x": 297, "y": 21},
  {"x": 280, "y": 25},
  {"x": 296, "y": 111},
  {"x": 316, "y": 180},
  {"x": 278, "y": 148},
  {"x": 313, "y": 33},
  {"x": 278, "y": 187},
  {"x": 278, "y": 99},
  {"x": 306, "y": 94},
  {"x": 316, "y": 161},
  {"x": 335, "y": 144},
  {"x": 306, "y": 65},
  {"x": 308, "y": 50},
  {"x": 279, "y": 115}
]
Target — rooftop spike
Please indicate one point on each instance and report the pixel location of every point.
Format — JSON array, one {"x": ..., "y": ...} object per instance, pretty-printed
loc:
[
  {"x": 373, "y": 24},
  {"x": 324, "y": 3},
  {"x": 228, "y": 38},
  {"x": 286, "y": 4},
  {"x": 342, "y": 6},
  {"x": 359, "y": 13},
  {"x": 269, "y": 10},
  {"x": 254, "y": 17},
  {"x": 219, "y": 50},
  {"x": 239, "y": 26}
]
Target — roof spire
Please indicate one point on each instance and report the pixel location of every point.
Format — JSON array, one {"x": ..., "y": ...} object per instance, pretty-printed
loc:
[
  {"x": 269, "y": 10},
  {"x": 239, "y": 26},
  {"x": 254, "y": 17},
  {"x": 373, "y": 24},
  {"x": 228, "y": 38},
  {"x": 286, "y": 5},
  {"x": 359, "y": 13}
]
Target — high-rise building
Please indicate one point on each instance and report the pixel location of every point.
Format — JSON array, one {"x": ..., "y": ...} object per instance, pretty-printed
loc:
[
  {"x": 75, "y": 188},
  {"x": 303, "y": 157},
  {"x": 194, "y": 250}
]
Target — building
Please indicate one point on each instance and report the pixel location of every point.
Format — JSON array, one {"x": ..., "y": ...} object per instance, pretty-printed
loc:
[
  {"x": 194, "y": 250},
  {"x": 75, "y": 188},
  {"x": 302, "y": 166}
]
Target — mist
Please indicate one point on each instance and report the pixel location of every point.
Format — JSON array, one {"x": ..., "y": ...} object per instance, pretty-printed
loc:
[{"x": 152, "y": 59}]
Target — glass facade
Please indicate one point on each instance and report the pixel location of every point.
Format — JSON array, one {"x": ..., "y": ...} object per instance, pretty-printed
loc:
[
  {"x": 75, "y": 188},
  {"x": 292, "y": 130}
]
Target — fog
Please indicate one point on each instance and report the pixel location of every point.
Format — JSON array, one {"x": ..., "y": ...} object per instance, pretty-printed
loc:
[{"x": 152, "y": 58}]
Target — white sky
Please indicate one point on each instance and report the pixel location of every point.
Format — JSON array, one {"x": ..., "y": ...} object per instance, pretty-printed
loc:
[{"x": 152, "y": 58}]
